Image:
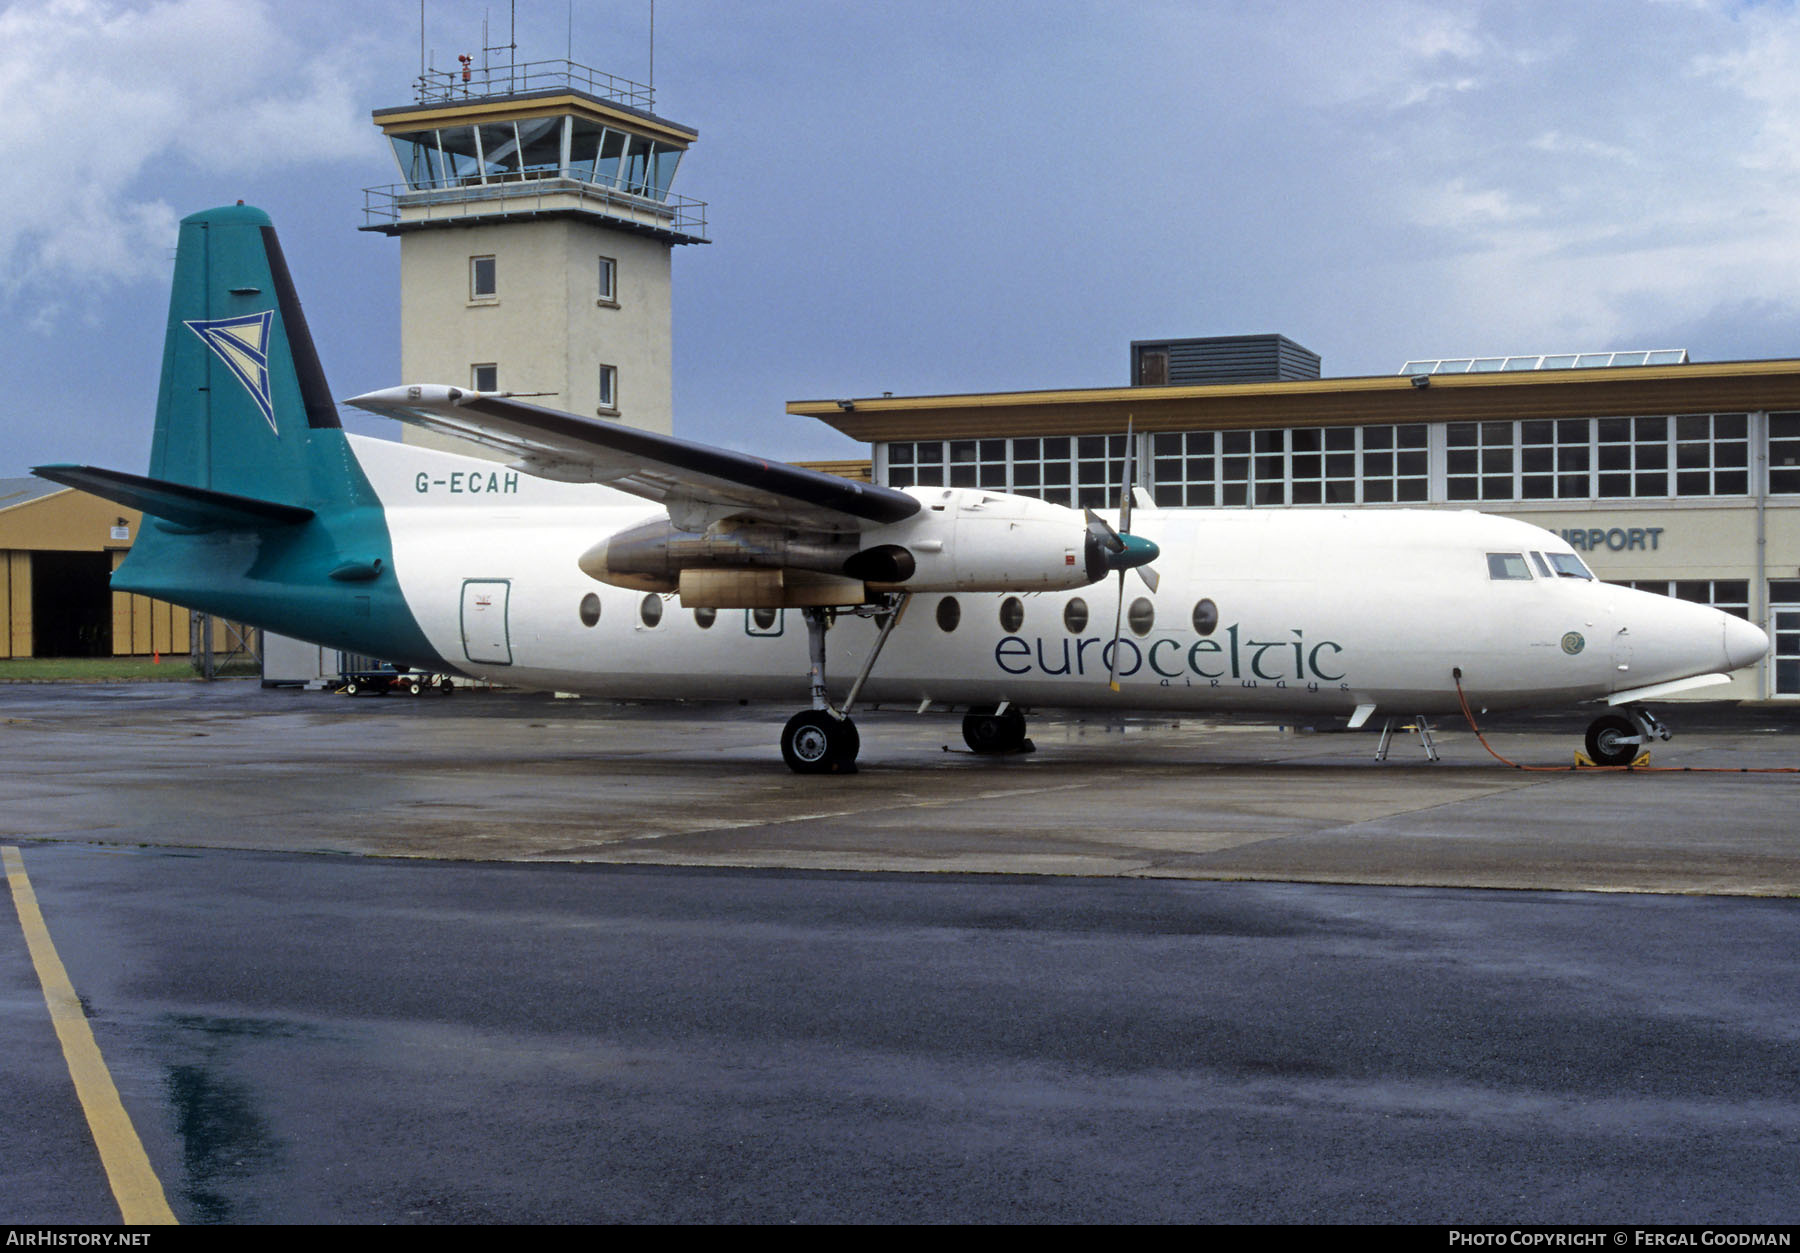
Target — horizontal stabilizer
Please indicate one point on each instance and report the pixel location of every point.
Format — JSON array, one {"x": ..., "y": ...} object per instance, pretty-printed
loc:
[{"x": 199, "y": 508}]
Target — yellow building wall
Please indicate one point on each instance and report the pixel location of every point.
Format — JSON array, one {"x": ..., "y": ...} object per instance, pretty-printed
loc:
[{"x": 15, "y": 604}]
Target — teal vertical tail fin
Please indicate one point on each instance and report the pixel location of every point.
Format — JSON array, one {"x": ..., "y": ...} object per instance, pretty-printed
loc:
[
  {"x": 256, "y": 506},
  {"x": 243, "y": 407}
]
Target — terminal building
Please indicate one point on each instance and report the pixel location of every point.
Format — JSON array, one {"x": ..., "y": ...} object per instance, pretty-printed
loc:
[{"x": 1670, "y": 475}]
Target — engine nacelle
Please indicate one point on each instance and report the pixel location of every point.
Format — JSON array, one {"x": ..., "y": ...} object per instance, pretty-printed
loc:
[
  {"x": 651, "y": 557},
  {"x": 961, "y": 540},
  {"x": 969, "y": 540}
]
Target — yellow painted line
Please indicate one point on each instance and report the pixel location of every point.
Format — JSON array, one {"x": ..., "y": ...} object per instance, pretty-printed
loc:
[{"x": 134, "y": 1184}]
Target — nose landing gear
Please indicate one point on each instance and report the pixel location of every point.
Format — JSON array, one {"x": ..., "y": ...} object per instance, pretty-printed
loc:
[{"x": 1616, "y": 739}]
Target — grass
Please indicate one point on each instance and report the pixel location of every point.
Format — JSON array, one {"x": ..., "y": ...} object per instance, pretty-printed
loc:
[{"x": 113, "y": 669}]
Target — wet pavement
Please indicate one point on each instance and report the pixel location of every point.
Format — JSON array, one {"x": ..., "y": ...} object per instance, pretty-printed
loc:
[
  {"x": 505, "y": 958},
  {"x": 492, "y": 776}
]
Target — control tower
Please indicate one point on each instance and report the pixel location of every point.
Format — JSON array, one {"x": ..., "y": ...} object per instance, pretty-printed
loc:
[{"x": 536, "y": 226}]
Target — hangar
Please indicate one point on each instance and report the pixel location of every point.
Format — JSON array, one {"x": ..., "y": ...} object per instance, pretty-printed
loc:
[
  {"x": 1670, "y": 475},
  {"x": 58, "y": 549}
]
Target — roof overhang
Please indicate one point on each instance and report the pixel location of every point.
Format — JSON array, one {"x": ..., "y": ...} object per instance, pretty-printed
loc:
[
  {"x": 1619, "y": 391},
  {"x": 530, "y": 105}
]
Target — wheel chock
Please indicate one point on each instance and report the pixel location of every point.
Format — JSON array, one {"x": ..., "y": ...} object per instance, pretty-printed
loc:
[{"x": 1584, "y": 762}]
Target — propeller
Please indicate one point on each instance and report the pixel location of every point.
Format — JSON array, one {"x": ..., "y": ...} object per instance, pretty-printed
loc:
[{"x": 1124, "y": 551}]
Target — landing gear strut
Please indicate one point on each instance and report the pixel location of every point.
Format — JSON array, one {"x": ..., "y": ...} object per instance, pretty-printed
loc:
[
  {"x": 1616, "y": 740},
  {"x": 823, "y": 740}
]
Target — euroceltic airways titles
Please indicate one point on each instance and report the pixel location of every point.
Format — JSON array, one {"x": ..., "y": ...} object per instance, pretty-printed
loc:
[{"x": 613, "y": 561}]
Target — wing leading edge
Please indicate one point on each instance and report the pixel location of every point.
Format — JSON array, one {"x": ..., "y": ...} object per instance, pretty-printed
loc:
[{"x": 698, "y": 483}]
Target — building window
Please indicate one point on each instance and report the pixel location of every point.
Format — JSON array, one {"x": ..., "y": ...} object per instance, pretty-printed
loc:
[
  {"x": 609, "y": 389},
  {"x": 482, "y": 282},
  {"x": 1184, "y": 467},
  {"x": 1730, "y": 596},
  {"x": 609, "y": 282},
  {"x": 1479, "y": 461},
  {"x": 1784, "y": 454},
  {"x": 1555, "y": 459},
  {"x": 485, "y": 378},
  {"x": 1041, "y": 468},
  {"x": 1632, "y": 455},
  {"x": 1712, "y": 454},
  {"x": 1339, "y": 465}
]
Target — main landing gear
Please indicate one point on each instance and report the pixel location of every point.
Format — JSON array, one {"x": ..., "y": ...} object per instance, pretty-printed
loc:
[
  {"x": 995, "y": 729},
  {"x": 823, "y": 740},
  {"x": 1616, "y": 739}
]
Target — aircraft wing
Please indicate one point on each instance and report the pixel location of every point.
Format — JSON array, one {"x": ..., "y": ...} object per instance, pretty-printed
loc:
[{"x": 698, "y": 483}]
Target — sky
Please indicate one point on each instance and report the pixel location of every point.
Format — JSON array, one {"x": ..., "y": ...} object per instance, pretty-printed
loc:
[{"x": 925, "y": 197}]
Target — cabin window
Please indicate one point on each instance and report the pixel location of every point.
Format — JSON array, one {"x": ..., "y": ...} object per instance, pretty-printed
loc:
[
  {"x": 650, "y": 609},
  {"x": 1206, "y": 617},
  {"x": 590, "y": 609},
  {"x": 1508, "y": 566},
  {"x": 1075, "y": 615},
  {"x": 1141, "y": 616},
  {"x": 1012, "y": 614},
  {"x": 1569, "y": 566},
  {"x": 704, "y": 618},
  {"x": 949, "y": 613}
]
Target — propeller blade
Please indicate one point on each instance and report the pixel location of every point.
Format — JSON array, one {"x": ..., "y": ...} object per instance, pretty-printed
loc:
[
  {"x": 1112, "y": 671},
  {"x": 1102, "y": 530},
  {"x": 1125, "y": 487},
  {"x": 1151, "y": 578}
]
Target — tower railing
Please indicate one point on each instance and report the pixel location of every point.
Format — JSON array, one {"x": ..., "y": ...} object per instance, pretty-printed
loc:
[
  {"x": 535, "y": 194},
  {"x": 475, "y": 82}
]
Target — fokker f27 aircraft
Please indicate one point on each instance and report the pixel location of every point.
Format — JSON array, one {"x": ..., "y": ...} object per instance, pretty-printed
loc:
[{"x": 612, "y": 561}]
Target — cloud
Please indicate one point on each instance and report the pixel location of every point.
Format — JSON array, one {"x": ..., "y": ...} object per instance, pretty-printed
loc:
[{"x": 109, "y": 104}]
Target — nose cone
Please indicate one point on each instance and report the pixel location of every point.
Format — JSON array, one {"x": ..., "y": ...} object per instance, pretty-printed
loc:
[{"x": 1745, "y": 643}]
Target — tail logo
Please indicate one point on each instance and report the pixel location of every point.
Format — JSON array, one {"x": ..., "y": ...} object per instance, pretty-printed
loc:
[{"x": 242, "y": 343}]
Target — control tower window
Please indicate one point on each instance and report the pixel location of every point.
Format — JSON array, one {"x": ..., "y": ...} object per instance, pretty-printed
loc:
[
  {"x": 609, "y": 389},
  {"x": 482, "y": 279},
  {"x": 541, "y": 146},
  {"x": 609, "y": 281},
  {"x": 484, "y": 378}
]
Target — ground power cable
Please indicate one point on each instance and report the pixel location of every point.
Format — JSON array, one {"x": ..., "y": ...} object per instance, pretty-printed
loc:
[{"x": 1468, "y": 713}]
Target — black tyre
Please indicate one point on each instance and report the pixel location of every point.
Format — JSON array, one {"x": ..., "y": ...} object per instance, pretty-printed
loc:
[
  {"x": 814, "y": 742},
  {"x": 1612, "y": 740},
  {"x": 985, "y": 731},
  {"x": 350, "y": 688}
]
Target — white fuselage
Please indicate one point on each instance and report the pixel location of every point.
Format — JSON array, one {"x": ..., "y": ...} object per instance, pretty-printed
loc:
[{"x": 1318, "y": 611}]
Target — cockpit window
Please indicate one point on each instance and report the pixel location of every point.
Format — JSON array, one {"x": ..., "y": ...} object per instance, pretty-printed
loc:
[
  {"x": 1543, "y": 567},
  {"x": 1508, "y": 566},
  {"x": 1569, "y": 566}
]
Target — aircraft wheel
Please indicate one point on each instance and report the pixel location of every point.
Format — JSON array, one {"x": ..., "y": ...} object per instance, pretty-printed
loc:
[
  {"x": 985, "y": 731},
  {"x": 814, "y": 742},
  {"x": 1607, "y": 740}
]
